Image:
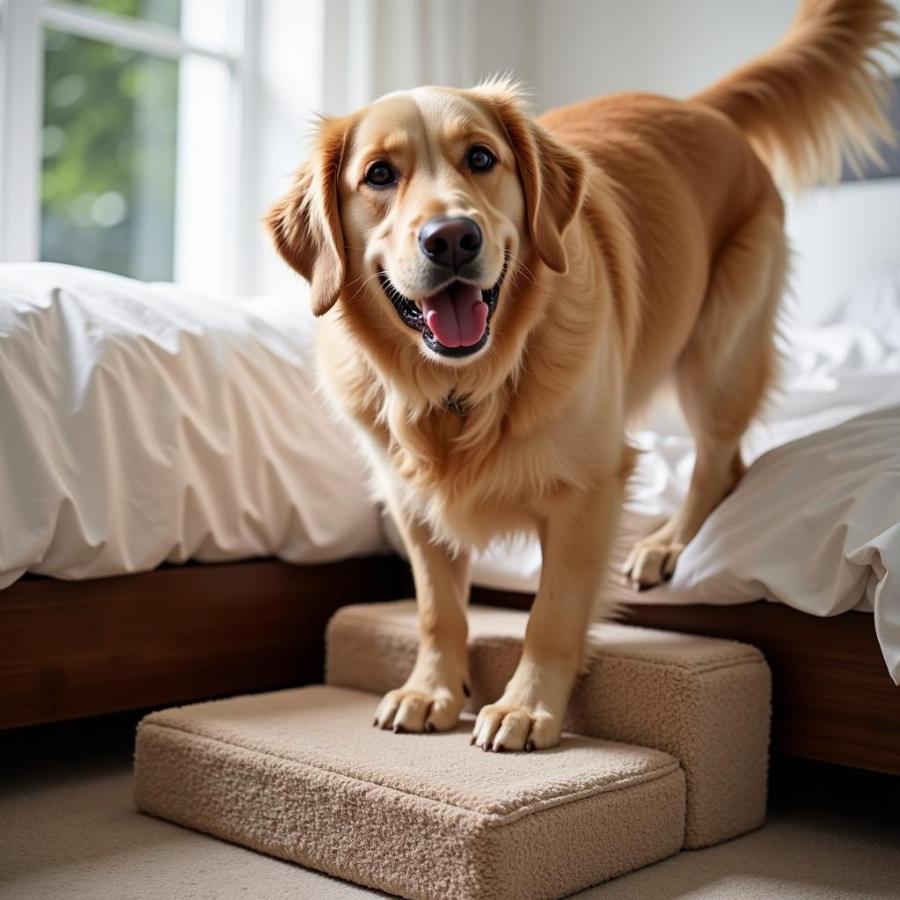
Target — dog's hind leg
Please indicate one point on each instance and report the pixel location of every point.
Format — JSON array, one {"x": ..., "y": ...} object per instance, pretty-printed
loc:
[{"x": 722, "y": 378}]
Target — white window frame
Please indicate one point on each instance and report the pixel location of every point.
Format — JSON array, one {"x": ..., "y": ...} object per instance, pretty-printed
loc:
[{"x": 22, "y": 24}]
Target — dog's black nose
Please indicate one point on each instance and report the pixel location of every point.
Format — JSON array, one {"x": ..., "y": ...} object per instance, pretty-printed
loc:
[{"x": 450, "y": 241}]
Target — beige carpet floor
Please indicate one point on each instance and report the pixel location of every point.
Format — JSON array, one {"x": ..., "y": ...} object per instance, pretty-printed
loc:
[{"x": 68, "y": 829}]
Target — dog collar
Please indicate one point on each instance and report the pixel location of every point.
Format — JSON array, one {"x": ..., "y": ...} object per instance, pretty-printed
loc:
[{"x": 457, "y": 405}]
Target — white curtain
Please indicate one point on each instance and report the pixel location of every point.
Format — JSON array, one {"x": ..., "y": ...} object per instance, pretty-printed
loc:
[{"x": 373, "y": 47}]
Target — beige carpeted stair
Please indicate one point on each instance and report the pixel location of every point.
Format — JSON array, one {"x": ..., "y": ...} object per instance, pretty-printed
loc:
[
  {"x": 702, "y": 700},
  {"x": 667, "y": 748}
]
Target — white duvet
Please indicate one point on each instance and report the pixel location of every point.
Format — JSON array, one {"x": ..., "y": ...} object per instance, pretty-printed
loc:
[{"x": 141, "y": 423}]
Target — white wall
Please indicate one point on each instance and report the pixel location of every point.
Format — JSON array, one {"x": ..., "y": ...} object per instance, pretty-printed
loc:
[
  {"x": 673, "y": 47},
  {"x": 579, "y": 48}
]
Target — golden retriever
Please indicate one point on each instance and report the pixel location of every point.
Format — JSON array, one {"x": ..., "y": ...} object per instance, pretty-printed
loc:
[{"x": 503, "y": 293}]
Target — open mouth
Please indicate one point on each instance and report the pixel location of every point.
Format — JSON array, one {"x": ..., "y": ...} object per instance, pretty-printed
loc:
[{"x": 454, "y": 321}]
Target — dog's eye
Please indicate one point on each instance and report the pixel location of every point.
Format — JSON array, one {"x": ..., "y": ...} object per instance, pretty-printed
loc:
[
  {"x": 380, "y": 174},
  {"x": 481, "y": 159}
]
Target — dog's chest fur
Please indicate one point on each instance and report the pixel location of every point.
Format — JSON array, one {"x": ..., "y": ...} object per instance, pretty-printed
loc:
[
  {"x": 471, "y": 477},
  {"x": 471, "y": 487}
]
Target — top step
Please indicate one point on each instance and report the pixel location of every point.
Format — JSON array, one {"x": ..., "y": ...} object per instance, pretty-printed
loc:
[{"x": 703, "y": 700}]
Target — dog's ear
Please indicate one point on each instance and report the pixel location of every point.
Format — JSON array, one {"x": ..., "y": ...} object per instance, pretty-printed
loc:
[
  {"x": 553, "y": 176},
  {"x": 305, "y": 224}
]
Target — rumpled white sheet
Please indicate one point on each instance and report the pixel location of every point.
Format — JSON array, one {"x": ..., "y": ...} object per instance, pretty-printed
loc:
[
  {"x": 814, "y": 524},
  {"x": 141, "y": 423}
]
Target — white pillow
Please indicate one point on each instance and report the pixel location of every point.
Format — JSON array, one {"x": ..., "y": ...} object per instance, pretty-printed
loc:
[{"x": 814, "y": 523}]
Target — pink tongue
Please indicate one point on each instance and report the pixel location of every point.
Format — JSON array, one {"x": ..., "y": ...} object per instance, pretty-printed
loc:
[{"x": 457, "y": 315}]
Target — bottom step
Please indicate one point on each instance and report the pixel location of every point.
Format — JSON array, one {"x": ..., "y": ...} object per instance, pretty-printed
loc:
[{"x": 302, "y": 775}]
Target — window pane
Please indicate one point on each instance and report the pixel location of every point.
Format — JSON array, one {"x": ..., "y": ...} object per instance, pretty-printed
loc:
[
  {"x": 109, "y": 151},
  {"x": 162, "y": 12}
]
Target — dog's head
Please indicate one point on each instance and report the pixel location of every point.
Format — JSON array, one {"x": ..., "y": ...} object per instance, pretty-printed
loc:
[{"x": 422, "y": 206}]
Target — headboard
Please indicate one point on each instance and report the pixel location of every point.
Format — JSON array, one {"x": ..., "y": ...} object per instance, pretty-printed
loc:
[{"x": 845, "y": 234}]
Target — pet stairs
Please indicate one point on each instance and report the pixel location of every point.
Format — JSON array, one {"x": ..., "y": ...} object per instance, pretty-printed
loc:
[{"x": 665, "y": 748}]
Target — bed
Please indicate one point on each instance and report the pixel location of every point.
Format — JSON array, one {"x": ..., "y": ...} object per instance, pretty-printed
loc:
[{"x": 181, "y": 513}]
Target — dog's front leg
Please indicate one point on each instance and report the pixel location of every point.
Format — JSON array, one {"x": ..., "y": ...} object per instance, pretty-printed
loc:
[
  {"x": 575, "y": 540},
  {"x": 434, "y": 693}
]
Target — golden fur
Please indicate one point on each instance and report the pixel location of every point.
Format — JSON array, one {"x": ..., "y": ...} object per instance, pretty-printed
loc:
[{"x": 644, "y": 239}]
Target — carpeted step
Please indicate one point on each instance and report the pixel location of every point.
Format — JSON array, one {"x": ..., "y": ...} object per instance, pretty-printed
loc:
[
  {"x": 702, "y": 700},
  {"x": 302, "y": 775}
]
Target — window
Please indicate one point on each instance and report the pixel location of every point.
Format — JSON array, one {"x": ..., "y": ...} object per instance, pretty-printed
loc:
[{"x": 121, "y": 136}]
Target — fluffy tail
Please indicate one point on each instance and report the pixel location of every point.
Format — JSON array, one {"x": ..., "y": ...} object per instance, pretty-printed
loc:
[{"x": 820, "y": 94}]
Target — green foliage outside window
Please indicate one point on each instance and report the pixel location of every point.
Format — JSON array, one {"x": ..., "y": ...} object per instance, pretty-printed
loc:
[
  {"x": 163, "y": 12},
  {"x": 109, "y": 154}
]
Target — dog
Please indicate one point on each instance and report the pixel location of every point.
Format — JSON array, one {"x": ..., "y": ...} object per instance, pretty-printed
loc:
[{"x": 502, "y": 294}]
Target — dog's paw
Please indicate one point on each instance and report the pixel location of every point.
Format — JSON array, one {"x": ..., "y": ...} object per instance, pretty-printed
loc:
[
  {"x": 504, "y": 726},
  {"x": 417, "y": 708},
  {"x": 651, "y": 561}
]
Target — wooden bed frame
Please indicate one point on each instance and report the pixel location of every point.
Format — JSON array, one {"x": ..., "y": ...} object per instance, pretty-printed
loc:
[
  {"x": 70, "y": 649},
  {"x": 182, "y": 633}
]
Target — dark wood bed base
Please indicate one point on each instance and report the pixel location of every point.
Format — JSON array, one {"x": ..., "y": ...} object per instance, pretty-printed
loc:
[
  {"x": 183, "y": 633},
  {"x": 78, "y": 648}
]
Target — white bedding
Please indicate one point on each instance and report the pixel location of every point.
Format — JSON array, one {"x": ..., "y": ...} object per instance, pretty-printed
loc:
[{"x": 141, "y": 423}]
